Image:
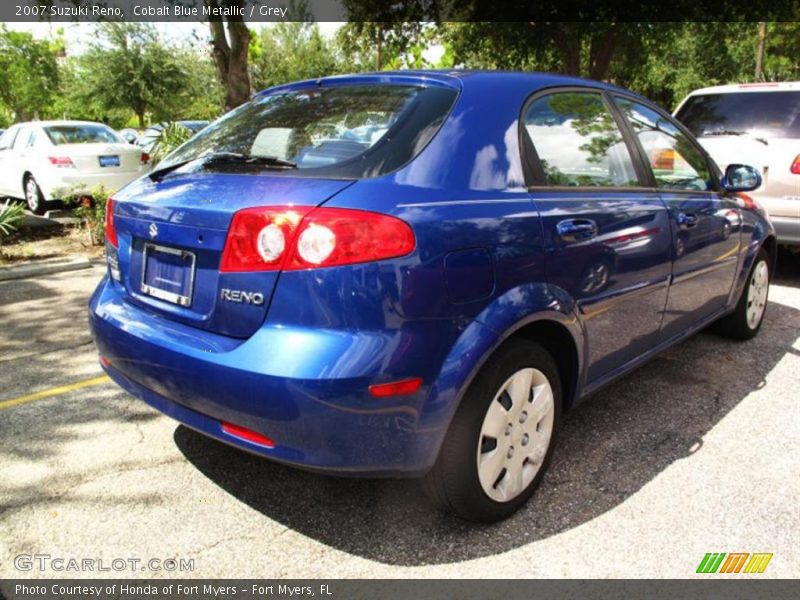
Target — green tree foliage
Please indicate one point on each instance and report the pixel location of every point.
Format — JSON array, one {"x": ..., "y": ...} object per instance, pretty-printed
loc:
[
  {"x": 129, "y": 67},
  {"x": 29, "y": 77},
  {"x": 290, "y": 51}
]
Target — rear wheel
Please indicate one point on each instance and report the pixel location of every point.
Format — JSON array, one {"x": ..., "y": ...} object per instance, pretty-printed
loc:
[
  {"x": 502, "y": 436},
  {"x": 34, "y": 197},
  {"x": 745, "y": 321}
]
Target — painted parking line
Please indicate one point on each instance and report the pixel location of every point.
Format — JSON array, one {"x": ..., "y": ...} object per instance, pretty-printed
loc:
[{"x": 54, "y": 391}]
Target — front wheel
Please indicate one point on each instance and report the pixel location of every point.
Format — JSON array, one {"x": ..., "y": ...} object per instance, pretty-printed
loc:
[
  {"x": 744, "y": 322},
  {"x": 502, "y": 436}
]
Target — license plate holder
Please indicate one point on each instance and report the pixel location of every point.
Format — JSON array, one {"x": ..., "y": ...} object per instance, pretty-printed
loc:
[
  {"x": 168, "y": 274},
  {"x": 109, "y": 161}
]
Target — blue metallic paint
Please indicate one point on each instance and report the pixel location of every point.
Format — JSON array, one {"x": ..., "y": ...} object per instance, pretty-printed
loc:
[{"x": 488, "y": 262}]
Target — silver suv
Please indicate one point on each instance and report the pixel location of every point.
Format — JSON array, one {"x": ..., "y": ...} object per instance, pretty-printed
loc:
[{"x": 757, "y": 124}]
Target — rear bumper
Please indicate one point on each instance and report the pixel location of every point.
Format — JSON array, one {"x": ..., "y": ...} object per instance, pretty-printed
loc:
[{"x": 304, "y": 389}]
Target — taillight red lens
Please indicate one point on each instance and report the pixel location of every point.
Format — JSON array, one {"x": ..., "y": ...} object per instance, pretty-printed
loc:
[
  {"x": 796, "y": 165},
  {"x": 111, "y": 230},
  {"x": 258, "y": 238},
  {"x": 302, "y": 237},
  {"x": 61, "y": 161},
  {"x": 144, "y": 158}
]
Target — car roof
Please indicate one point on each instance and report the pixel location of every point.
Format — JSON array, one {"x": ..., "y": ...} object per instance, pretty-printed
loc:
[
  {"x": 457, "y": 78},
  {"x": 776, "y": 86},
  {"x": 57, "y": 123}
]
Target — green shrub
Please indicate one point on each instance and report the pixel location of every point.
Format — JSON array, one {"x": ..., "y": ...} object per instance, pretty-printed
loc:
[
  {"x": 11, "y": 216},
  {"x": 172, "y": 136},
  {"x": 90, "y": 208}
]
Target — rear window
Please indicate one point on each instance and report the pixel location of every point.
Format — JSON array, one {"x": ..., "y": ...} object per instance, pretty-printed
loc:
[
  {"x": 81, "y": 134},
  {"x": 770, "y": 114},
  {"x": 340, "y": 132}
]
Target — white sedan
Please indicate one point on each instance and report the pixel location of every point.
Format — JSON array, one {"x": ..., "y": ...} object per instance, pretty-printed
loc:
[{"x": 42, "y": 161}]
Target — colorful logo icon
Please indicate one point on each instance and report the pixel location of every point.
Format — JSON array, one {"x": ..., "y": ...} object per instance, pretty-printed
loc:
[{"x": 734, "y": 562}]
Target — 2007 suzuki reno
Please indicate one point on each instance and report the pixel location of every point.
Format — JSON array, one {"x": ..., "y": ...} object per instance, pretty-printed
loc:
[{"x": 418, "y": 273}]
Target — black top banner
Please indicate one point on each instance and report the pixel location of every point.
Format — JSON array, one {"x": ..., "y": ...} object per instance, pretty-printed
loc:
[{"x": 396, "y": 11}]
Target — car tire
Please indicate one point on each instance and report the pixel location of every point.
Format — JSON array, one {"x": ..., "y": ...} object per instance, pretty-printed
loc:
[
  {"x": 745, "y": 321},
  {"x": 506, "y": 426},
  {"x": 34, "y": 197}
]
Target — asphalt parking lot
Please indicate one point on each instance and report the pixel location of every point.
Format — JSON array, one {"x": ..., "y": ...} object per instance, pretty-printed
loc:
[{"x": 697, "y": 452}]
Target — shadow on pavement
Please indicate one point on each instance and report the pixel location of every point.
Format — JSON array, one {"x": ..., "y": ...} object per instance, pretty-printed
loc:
[{"x": 610, "y": 447}]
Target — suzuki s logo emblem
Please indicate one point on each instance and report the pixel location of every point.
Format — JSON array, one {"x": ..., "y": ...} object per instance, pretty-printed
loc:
[{"x": 153, "y": 230}]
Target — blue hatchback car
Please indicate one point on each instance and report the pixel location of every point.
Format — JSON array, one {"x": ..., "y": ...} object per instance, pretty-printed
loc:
[{"x": 418, "y": 273}]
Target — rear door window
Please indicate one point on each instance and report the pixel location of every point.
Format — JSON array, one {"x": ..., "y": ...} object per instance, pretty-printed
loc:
[
  {"x": 677, "y": 163},
  {"x": 578, "y": 142},
  {"x": 768, "y": 114}
]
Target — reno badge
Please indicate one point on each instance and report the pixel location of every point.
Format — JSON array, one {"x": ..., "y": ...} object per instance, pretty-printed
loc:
[{"x": 242, "y": 297}]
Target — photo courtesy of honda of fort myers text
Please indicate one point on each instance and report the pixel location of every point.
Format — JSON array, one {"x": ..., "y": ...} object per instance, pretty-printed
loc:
[{"x": 352, "y": 298}]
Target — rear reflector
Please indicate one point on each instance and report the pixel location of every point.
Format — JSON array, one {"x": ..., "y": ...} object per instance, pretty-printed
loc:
[
  {"x": 247, "y": 435},
  {"x": 796, "y": 165},
  {"x": 405, "y": 387},
  {"x": 273, "y": 238},
  {"x": 104, "y": 361},
  {"x": 111, "y": 230}
]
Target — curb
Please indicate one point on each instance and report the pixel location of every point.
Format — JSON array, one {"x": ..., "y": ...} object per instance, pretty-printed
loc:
[{"x": 44, "y": 267}]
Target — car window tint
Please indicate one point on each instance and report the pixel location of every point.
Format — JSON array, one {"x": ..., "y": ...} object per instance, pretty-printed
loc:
[
  {"x": 347, "y": 131},
  {"x": 767, "y": 113},
  {"x": 81, "y": 134},
  {"x": 676, "y": 162},
  {"x": 578, "y": 142},
  {"x": 31, "y": 139}
]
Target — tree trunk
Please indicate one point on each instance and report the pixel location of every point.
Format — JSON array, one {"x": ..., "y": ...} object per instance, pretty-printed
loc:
[
  {"x": 600, "y": 55},
  {"x": 230, "y": 54},
  {"x": 762, "y": 36},
  {"x": 141, "y": 119},
  {"x": 568, "y": 42}
]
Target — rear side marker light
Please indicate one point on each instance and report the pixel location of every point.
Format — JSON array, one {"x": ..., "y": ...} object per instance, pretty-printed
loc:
[
  {"x": 406, "y": 387},
  {"x": 111, "y": 230},
  {"x": 796, "y": 165},
  {"x": 247, "y": 435},
  {"x": 292, "y": 238}
]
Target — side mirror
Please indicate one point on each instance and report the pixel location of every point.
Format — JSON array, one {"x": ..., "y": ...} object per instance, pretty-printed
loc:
[{"x": 741, "y": 178}]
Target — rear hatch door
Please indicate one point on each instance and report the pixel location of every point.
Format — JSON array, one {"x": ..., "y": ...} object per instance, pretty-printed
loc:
[{"x": 172, "y": 235}]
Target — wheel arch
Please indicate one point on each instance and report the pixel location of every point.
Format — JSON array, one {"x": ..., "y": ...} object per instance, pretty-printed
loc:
[{"x": 537, "y": 312}]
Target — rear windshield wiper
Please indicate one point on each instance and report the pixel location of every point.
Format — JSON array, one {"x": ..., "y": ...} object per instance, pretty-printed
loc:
[{"x": 225, "y": 157}]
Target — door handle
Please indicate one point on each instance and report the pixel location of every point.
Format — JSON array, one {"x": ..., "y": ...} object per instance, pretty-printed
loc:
[
  {"x": 576, "y": 230},
  {"x": 687, "y": 220}
]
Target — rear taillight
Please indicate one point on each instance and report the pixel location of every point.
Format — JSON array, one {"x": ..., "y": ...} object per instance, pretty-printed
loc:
[
  {"x": 61, "y": 161},
  {"x": 303, "y": 237},
  {"x": 111, "y": 230},
  {"x": 796, "y": 165},
  {"x": 144, "y": 158}
]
